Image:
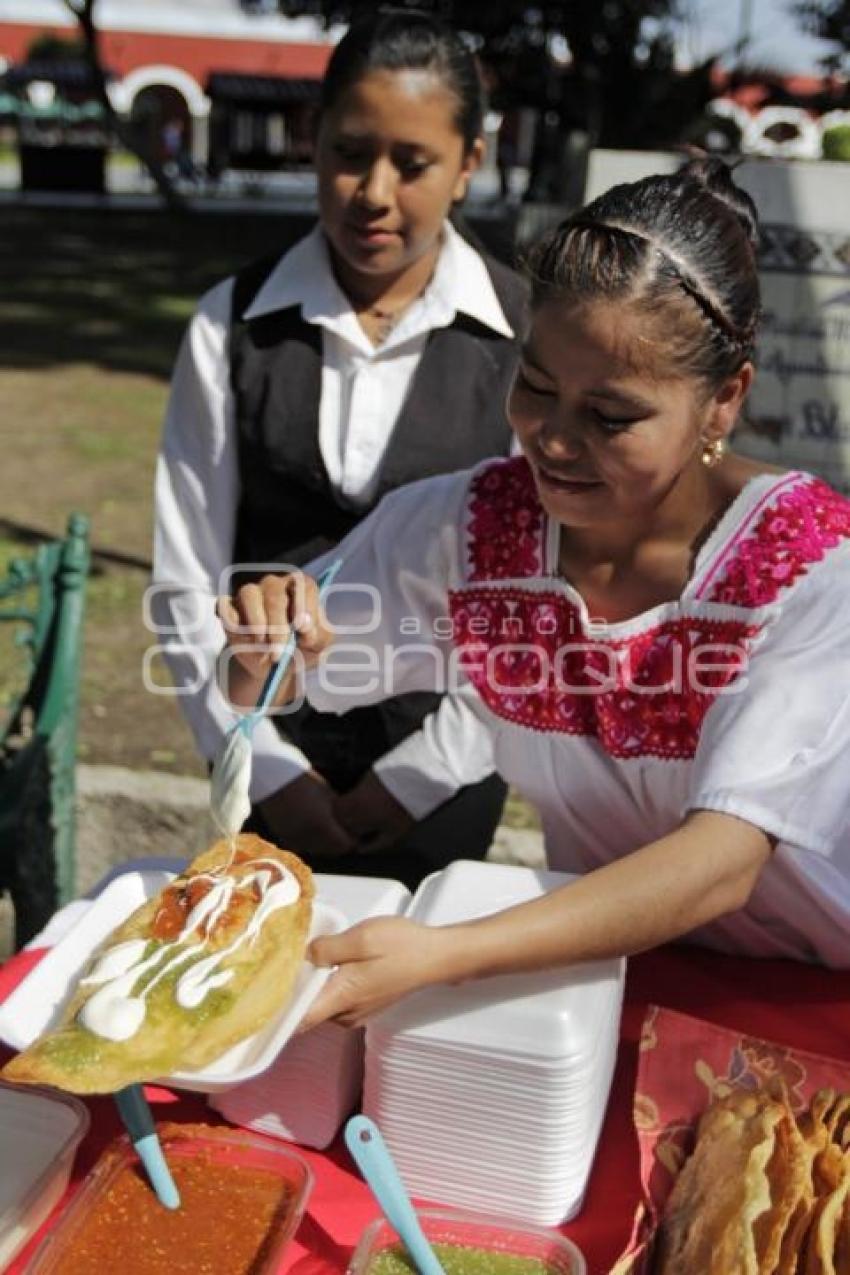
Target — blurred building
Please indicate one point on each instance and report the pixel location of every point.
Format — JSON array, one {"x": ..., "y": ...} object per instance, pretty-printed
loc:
[
  {"x": 57, "y": 120},
  {"x": 760, "y": 112},
  {"x": 175, "y": 63}
]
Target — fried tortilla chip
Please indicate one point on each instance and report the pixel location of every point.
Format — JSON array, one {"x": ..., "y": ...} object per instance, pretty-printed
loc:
[
  {"x": 837, "y": 1117},
  {"x": 842, "y": 1242},
  {"x": 815, "y": 1133},
  {"x": 203, "y": 965},
  {"x": 708, "y": 1223},
  {"x": 826, "y": 1247},
  {"x": 824, "y": 1233},
  {"x": 811, "y": 1122},
  {"x": 813, "y": 1136},
  {"x": 789, "y": 1175}
]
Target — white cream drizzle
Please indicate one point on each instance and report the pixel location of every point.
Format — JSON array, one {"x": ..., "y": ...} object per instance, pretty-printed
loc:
[
  {"x": 115, "y": 1014},
  {"x": 230, "y": 782}
]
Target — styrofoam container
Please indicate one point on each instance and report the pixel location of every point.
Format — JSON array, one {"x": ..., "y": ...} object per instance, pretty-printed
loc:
[
  {"x": 359, "y": 898},
  {"x": 37, "y": 1003},
  {"x": 306, "y": 1093},
  {"x": 491, "y": 1094},
  {"x": 546, "y": 1017},
  {"x": 316, "y": 1081},
  {"x": 477, "y": 1231},
  {"x": 40, "y": 1131}
]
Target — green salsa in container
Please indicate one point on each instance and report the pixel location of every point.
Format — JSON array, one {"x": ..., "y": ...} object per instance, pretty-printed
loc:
[
  {"x": 460, "y": 1259},
  {"x": 470, "y": 1244}
]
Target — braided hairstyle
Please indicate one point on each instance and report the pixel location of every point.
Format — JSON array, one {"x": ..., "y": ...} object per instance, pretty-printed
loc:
[{"x": 679, "y": 248}]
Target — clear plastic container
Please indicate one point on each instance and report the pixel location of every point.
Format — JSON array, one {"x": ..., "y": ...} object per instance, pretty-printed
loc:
[
  {"x": 554, "y": 1252},
  {"x": 216, "y": 1170},
  {"x": 40, "y": 1131}
]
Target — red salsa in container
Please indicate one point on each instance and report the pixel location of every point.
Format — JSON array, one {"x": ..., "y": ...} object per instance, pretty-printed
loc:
[{"x": 241, "y": 1200}]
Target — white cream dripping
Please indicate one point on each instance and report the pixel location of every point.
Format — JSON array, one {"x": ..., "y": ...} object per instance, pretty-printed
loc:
[
  {"x": 230, "y": 782},
  {"x": 114, "y": 1013}
]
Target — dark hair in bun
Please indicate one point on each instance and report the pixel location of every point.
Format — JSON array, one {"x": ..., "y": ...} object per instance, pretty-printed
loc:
[
  {"x": 716, "y": 176},
  {"x": 681, "y": 247}
]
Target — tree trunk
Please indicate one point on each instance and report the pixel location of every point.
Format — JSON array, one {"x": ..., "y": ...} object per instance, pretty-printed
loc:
[{"x": 84, "y": 13}]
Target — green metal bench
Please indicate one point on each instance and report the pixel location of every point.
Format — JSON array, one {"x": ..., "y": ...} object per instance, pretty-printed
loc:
[{"x": 44, "y": 596}]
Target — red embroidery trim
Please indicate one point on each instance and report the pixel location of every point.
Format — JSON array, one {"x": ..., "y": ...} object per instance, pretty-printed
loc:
[
  {"x": 532, "y": 663},
  {"x": 505, "y": 523},
  {"x": 799, "y": 528}
]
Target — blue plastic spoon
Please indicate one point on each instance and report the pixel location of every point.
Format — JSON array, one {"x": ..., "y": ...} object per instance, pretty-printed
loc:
[
  {"x": 372, "y": 1157},
  {"x": 247, "y": 723},
  {"x": 230, "y": 779},
  {"x": 138, "y": 1121}
]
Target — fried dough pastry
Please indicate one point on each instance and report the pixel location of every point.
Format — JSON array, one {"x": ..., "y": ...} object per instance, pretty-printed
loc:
[
  {"x": 764, "y": 1192},
  {"x": 708, "y": 1224},
  {"x": 842, "y": 1240},
  {"x": 826, "y": 1234},
  {"x": 789, "y": 1177},
  {"x": 203, "y": 965}
]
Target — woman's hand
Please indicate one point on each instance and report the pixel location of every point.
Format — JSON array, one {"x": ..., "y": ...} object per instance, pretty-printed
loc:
[
  {"x": 703, "y": 869},
  {"x": 372, "y": 816},
  {"x": 380, "y": 961},
  {"x": 257, "y": 622},
  {"x": 301, "y": 817}
]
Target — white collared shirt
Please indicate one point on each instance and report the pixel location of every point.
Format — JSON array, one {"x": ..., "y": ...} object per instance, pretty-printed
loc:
[
  {"x": 197, "y": 481},
  {"x": 364, "y": 386}
]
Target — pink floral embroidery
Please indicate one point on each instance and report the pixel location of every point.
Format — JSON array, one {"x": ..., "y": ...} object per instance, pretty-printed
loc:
[
  {"x": 506, "y": 523},
  {"x": 533, "y": 663},
  {"x": 797, "y": 529}
]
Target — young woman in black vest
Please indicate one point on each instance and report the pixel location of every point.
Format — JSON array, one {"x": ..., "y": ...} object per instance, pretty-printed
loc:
[{"x": 375, "y": 352}]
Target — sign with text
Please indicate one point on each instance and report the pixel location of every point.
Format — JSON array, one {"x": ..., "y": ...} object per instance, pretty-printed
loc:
[
  {"x": 799, "y": 411},
  {"x": 798, "y": 415}
]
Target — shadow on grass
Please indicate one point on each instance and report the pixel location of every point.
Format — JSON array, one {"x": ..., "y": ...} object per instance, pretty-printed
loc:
[{"x": 116, "y": 288}]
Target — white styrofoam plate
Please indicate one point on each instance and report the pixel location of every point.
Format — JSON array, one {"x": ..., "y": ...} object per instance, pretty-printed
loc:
[
  {"x": 360, "y": 898},
  {"x": 545, "y": 1018},
  {"x": 36, "y": 1004}
]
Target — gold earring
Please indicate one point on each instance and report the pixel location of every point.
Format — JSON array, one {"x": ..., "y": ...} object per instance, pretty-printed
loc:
[{"x": 713, "y": 452}]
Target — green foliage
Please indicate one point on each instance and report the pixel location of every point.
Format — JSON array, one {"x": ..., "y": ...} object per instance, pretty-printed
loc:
[
  {"x": 836, "y": 142},
  {"x": 621, "y": 88},
  {"x": 830, "y": 20}
]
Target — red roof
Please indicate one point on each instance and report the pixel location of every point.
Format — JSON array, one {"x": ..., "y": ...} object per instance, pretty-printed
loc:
[
  {"x": 754, "y": 89},
  {"x": 125, "y": 51}
]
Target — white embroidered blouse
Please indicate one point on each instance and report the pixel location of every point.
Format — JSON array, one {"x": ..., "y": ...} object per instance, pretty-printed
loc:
[{"x": 735, "y": 697}]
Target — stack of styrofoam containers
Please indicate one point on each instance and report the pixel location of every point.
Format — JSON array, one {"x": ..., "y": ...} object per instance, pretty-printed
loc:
[
  {"x": 491, "y": 1093},
  {"x": 316, "y": 1080}
]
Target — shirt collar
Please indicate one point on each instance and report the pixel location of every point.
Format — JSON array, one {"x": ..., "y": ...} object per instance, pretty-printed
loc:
[
  {"x": 462, "y": 284},
  {"x": 303, "y": 277}
]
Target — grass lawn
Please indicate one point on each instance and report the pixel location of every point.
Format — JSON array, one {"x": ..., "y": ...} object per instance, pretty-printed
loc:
[{"x": 91, "y": 313}]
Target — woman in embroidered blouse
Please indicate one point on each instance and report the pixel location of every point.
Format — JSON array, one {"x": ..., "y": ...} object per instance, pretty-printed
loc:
[{"x": 654, "y": 630}]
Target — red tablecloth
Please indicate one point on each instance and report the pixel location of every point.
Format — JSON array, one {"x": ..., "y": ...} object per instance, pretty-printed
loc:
[{"x": 802, "y": 1006}]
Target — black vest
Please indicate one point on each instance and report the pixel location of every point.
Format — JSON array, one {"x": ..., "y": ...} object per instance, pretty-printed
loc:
[{"x": 453, "y": 417}]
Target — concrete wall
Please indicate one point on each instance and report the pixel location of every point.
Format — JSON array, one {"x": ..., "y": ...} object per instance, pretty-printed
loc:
[{"x": 130, "y": 814}]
